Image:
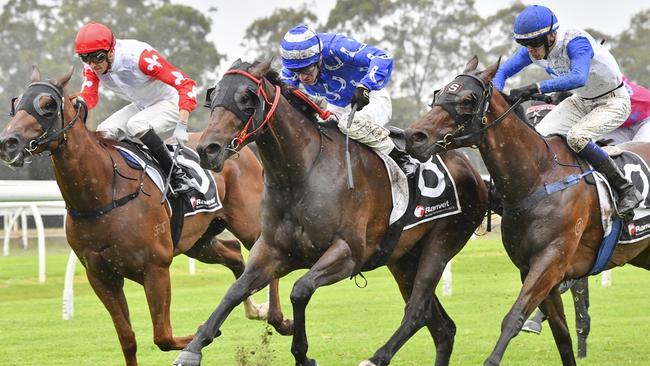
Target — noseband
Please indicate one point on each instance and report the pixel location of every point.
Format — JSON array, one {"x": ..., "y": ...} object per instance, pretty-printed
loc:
[
  {"x": 29, "y": 101},
  {"x": 257, "y": 120},
  {"x": 471, "y": 124}
]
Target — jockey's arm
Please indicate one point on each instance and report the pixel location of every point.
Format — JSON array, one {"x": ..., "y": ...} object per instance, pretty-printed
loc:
[
  {"x": 517, "y": 62},
  {"x": 90, "y": 87},
  {"x": 379, "y": 63},
  {"x": 580, "y": 54},
  {"x": 151, "y": 63}
]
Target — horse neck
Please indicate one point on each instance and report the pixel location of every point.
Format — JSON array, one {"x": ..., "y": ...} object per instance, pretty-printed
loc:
[
  {"x": 289, "y": 147},
  {"x": 515, "y": 155},
  {"x": 82, "y": 172}
]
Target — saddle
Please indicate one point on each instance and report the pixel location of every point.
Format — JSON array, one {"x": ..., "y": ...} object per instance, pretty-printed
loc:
[{"x": 203, "y": 197}]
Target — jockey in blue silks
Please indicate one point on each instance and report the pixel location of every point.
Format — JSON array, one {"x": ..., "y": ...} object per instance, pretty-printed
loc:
[
  {"x": 575, "y": 62},
  {"x": 345, "y": 72}
]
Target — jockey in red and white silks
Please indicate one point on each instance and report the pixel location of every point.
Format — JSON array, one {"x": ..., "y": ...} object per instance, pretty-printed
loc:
[{"x": 156, "y": 89}]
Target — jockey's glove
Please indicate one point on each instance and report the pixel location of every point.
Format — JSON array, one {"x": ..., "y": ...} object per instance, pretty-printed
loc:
[
  {"x": 180, "y": 133},
  {"x": 361, "y": 97},
  {"x": 524, "y": 93}
]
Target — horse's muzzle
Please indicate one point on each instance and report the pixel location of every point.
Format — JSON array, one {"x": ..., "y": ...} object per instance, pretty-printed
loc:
[
  {"x": 212, "y": 156},
  {"x": 11, "y": 148},
  {"x": 418, "y": 144}
]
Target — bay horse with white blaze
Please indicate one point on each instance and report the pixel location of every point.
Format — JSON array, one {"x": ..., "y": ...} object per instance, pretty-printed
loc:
[
  {"x": 130, "y": 237},
  {"x": 312, "y": 220},
  {"x": 548, "y": 237}
]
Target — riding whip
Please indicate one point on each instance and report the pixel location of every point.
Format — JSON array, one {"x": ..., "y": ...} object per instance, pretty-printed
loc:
[{"x": 348, "y": 164}]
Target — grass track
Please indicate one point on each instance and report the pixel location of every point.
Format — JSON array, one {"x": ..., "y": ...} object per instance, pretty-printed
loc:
[{"x": 345, "y": 324}]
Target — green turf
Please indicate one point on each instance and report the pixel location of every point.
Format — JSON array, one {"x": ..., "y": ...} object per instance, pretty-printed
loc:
[{"x": 345, "y": 324}]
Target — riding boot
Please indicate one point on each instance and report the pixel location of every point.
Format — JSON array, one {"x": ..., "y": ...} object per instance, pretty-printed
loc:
[
  {"x": 180, "y": 182},
  {"x": 628, "y": 197},
  {"x": 403, "y": 161}
]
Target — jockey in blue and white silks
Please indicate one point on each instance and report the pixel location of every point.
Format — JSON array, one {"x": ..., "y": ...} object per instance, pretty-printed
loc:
[
  {"x": 344, "y": 72},
  {"x": 575, "y": 62}
]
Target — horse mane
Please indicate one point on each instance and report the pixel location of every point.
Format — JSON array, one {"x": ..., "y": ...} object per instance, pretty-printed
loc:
[
  {"x": 519, "y": 112},
  {"x": 287, "y": 91}
]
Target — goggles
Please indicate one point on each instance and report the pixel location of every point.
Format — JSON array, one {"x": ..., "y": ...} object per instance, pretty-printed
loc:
[
  {"x": 305, "y": 70},
  {"x": 96, "y": 57},
  {"x": 533, "y": 42}
]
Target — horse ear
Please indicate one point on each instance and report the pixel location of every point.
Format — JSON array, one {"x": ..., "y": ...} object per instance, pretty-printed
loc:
[
  {"x": 236, "y": 63},
  {"x": 63, "y": 80},
  {"x": 488, "y": 73},
  {"x": 471, "y": 65},
  {"x": 36, "y": 74},
  {"x": 260, "y": 69}
]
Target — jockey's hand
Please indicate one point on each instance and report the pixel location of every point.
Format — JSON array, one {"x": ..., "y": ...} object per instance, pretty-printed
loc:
[
  {"x": 524, "y": 93},
  {"x": 361, "y": 97},
  {"x": 180, "y": 133}
]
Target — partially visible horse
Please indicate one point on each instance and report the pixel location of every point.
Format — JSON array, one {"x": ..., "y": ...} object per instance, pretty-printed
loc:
[
  {"x": 127, "y": 232},
  {"x": 312, "y": 220},
  {"x": 548, "y": 237}
]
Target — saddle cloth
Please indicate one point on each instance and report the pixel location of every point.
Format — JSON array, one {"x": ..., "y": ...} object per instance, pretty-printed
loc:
[
  {"x": 203, "y": 197},
  {"x": 435, "y": 192},
  {"x": 635, "y": 169}
]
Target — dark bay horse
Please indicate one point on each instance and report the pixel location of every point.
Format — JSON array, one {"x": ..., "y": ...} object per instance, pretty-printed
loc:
[
  {"x": 555, "y": 237},
  {"x": 312, "y": 220},
  {"x": 132, "y": 240}
]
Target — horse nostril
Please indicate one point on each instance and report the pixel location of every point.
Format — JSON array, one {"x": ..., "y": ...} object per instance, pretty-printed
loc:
[
  {"x": 212, "y": 149},
  {"x": 10, "y": 144},
  {"x": 419, "y": 137}
]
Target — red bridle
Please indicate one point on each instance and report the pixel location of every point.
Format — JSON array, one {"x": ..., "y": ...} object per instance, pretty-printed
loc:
[{"x": 244, "y": 135}]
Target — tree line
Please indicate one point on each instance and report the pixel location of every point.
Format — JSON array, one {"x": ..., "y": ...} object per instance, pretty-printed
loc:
[{"x": 430, "y": 42}]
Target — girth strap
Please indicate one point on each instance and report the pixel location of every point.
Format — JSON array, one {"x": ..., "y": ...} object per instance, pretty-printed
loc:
[{"x": 546, "y": 190}]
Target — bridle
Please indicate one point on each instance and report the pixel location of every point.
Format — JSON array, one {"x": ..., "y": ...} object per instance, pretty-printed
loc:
[
  {"x": 48, "y": 118},
  {"x": 473, "y": 124},
  {"x": 257, "y": 119}
]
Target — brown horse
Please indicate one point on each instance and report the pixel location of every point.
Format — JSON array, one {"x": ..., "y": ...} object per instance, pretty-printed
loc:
[
  {"x": 312, "y": 220},
  {"x": 550, "y": 237},
  {"x": 131, "y": 239}
]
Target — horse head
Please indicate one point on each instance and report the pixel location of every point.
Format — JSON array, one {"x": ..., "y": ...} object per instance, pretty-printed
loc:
[
  {"x": 458, "y": 114},
  {"x": 38, "y": 119},
  {"x": 239, "y": 109}
]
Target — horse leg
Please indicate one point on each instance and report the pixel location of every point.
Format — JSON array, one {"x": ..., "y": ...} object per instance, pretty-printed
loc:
[
  {"x": 546, "y": 271},
  {"x": 275, "y": 316},
  {"x": 111, "y": 294},
  {"x": 580, "y": 292},
  {"x": 417, "y": 283},
  {"x": 157, "y": 289},
  {"x": 259, "y": 272},
  {"x": 334, "y": 265},
  {"x": 553, "y": 307},
  {"x": 228, "y": 253}
]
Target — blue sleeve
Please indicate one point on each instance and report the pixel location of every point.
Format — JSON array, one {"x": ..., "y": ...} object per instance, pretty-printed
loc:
[
  {"x": 379, "y": 63},
  {"x": 511, "y": 67},
  {"x": 289, "y": 77},
  {"x": 580, "y": 54}
]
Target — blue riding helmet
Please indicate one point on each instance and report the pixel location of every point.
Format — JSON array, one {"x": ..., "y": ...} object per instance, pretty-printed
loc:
[
  {"x": 300, "y": 47},
  {"x": 534, "y": 23}
]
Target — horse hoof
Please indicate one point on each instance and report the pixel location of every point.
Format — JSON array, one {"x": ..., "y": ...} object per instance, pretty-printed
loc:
[
  {"x": 186, "y": 358},
  {"x": 257, "y": 311},
  {"x": 531, "y": 326},
  {"x": 367, "y": 363},
  {"x": 286, "y": 328}
]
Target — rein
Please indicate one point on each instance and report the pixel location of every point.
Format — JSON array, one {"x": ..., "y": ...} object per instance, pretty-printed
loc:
[{"x": 244, "y": 135}]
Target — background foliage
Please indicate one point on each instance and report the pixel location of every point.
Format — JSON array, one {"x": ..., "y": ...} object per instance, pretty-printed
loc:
[{"x": 429, "y": 40}]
